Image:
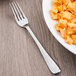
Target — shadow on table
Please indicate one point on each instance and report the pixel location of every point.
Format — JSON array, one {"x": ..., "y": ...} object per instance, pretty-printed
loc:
[{"x": 6, "y": 1}]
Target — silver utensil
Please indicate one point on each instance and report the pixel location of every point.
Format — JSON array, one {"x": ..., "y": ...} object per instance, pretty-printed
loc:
[{"x": 22, "y": 21}]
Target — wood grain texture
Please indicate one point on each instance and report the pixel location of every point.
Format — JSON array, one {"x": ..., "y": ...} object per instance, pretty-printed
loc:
[{"x": 19, "y": 55}]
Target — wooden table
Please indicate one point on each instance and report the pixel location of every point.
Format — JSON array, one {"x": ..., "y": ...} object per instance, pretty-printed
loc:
[{"x": 19, "y": 55}]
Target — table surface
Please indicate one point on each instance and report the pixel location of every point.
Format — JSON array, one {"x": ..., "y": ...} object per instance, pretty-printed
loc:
[{"x": 19, "y": 55}]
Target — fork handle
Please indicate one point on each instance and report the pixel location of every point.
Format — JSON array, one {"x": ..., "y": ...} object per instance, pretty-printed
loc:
[{"x": 49, "y": 61}]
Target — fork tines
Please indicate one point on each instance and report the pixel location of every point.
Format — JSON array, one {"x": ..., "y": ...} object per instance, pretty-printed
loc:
[{"x": 17, "y": 11}]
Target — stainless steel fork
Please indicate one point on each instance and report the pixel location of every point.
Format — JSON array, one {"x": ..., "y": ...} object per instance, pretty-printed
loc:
[{"x": 22, "y": 21}]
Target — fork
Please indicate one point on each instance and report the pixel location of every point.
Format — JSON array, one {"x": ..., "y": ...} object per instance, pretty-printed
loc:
[{"x": 22, "y": 21}]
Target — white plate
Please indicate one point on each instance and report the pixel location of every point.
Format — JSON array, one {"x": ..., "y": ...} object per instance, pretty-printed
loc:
[{"x": 47, "y": 4}]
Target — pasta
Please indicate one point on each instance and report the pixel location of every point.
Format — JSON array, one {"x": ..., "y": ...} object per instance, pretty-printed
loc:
[{"x": 64, "y": 11}]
